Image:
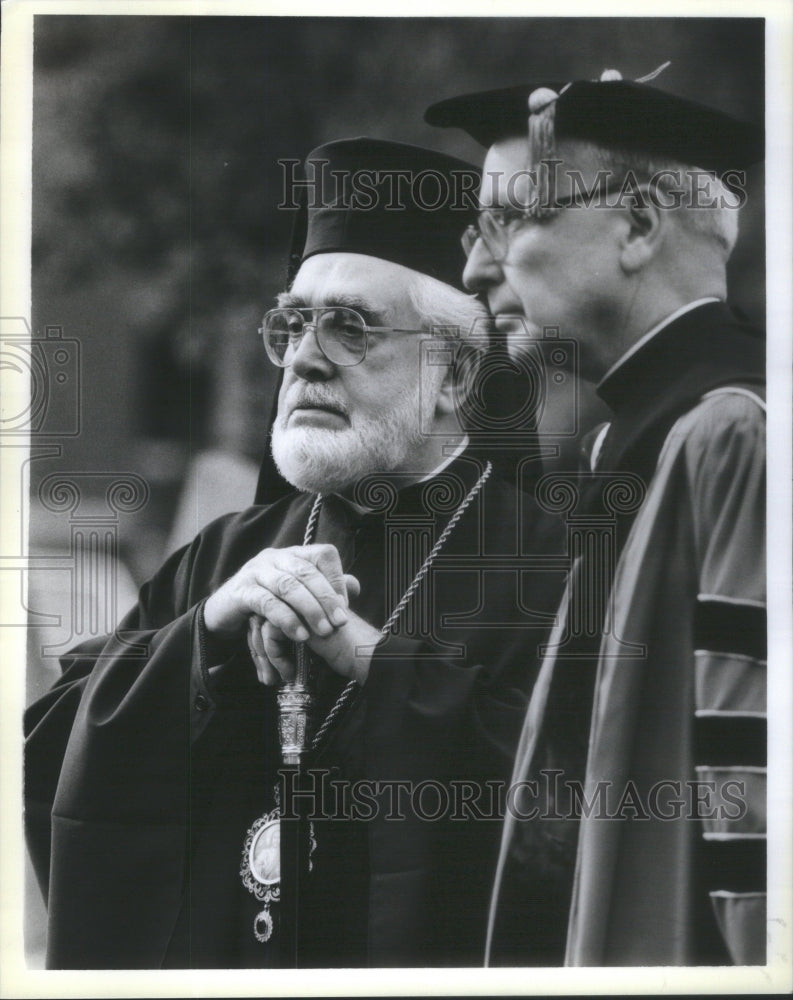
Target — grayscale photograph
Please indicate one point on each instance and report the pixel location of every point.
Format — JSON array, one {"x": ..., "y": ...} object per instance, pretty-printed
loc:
[{"x": 386, "y": 540}]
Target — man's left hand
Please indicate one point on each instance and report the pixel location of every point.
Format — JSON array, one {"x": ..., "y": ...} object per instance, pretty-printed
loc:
[{"x": 347, "y": 650}]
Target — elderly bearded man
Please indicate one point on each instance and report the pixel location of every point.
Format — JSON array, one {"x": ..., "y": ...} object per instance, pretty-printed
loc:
[
  {"x": 173, "y": 751},
  {"x": 611, "y": 220}
]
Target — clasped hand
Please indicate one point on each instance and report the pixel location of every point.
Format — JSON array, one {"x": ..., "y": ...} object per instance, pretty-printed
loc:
[{"x": 295, "y": 594}]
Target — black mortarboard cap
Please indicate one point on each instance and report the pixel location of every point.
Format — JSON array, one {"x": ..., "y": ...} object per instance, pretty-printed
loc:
[
  {"x": 490, "y": 115},
  {"x": 401, "y": 203},
  {"x": 615, "y": 113}
]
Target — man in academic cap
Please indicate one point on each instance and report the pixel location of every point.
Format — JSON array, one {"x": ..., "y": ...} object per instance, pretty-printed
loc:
[
  {"x": 393, "y": 559},
  {"x": 611, "y": 217}
]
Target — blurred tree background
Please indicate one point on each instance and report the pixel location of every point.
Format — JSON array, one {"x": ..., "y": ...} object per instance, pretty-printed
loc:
[{"x": 157, "y": 242}]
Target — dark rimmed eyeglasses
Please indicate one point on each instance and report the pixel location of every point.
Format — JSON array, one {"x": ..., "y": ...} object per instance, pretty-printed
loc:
[{"x": 342, "y": 334}]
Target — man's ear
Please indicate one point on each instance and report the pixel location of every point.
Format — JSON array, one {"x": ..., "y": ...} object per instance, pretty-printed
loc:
[
  {"x": 448, "y": 395},
  {"x": 642, "y": 235},
  {"x": 459, "y": 378}
]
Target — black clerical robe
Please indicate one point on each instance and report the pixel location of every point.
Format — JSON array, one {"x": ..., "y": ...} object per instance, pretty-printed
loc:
[{"x": 169, "y": 750}]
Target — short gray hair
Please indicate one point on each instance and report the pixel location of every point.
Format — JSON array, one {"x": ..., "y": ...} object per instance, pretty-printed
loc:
[
  {"x": 708, "y": 208},
  {"x": 441, "y": 305}
]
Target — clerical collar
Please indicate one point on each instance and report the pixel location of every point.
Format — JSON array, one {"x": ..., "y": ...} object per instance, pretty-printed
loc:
[
  {"x": 662, "y": 356},
  {"x": 635, "y": 348},
  {"x": 360, "y": 509},
  {"x": 702, "y": 349}
]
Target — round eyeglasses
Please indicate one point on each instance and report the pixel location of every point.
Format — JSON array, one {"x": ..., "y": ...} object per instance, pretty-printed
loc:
[{"x": 342, "y": 334}]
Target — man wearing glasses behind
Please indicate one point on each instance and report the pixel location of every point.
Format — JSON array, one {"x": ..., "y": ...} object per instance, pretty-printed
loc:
[
  {"x": 613, "y": 220},
  {"x": 396, "y": 561}
]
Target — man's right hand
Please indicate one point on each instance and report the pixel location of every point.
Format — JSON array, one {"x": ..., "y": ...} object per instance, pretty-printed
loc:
[{"x": 300, "y": 589}]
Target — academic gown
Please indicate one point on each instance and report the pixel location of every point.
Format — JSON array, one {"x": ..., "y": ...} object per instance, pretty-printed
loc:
[
  {"x": 169, "y": 749},
  {"x": 674, "y": 683}
]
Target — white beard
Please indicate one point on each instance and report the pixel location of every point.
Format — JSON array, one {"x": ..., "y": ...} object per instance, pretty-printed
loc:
[{"x": 325, "y": 460}]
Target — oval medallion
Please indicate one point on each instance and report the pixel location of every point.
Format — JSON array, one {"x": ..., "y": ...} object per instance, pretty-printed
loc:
[{"x": 264, "y": 856}]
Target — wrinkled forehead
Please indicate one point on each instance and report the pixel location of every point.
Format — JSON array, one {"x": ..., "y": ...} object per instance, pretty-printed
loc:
[
  {"x": 504, "y": 173},
  {"x": 504, "y": 160},
  {"x": 379, "y": 289}
]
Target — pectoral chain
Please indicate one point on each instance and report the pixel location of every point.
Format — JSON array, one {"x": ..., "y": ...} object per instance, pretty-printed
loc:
[{"x": 260, "y": 867}]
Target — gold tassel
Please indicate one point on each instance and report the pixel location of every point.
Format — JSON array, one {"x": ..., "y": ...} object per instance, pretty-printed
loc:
[
  {"x": 542, "y": 142},
  {"x": 542, "y": 149}
]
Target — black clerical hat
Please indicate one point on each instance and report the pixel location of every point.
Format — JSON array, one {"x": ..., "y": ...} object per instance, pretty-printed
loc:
[
  {"x": 401, "y": 203},
  {"x": 614, "y": 113}
]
